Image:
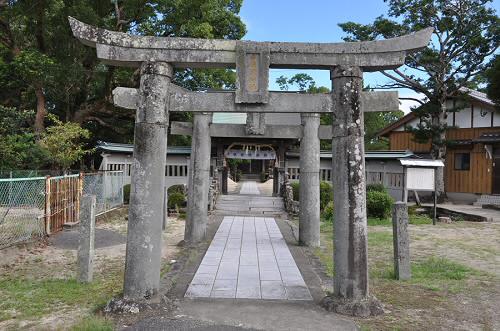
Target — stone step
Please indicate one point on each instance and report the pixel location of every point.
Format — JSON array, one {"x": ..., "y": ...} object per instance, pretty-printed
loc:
[
  {"x": 249, "y": 205},
  {"x": 487, "y": 199}
]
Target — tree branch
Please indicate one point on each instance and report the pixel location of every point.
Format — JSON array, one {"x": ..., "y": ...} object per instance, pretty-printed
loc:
[{"x": 413, "y": 99}]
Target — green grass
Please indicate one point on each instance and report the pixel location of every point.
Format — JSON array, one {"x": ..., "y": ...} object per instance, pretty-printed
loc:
[
  {"x": 165, "y": 268},
  {"x": 379, "y": 239},
  {"x": 434, "y": 273},
  {"x": 439, "y": 268},
  {"x": 31, "y": 298},
  {"x": 93, "y": 323},
  {"x": 414, "y": 219}
]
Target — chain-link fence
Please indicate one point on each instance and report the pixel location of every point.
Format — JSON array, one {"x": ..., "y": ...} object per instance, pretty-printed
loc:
[
  {"x": 107, "y": 186},
  {"x": 33, "y": 207},
  {"x": 22, "y": 209}
]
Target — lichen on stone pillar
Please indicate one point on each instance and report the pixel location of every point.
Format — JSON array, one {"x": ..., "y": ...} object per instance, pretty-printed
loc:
[
  {"x": 351, "y": 292},
  {"x": 143, "y": 254}
]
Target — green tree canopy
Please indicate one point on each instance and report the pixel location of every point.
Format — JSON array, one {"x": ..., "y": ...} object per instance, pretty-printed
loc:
[
  {"x": 466, "y": 34},
  {"x": 373, "y": 121},
  {"x": 45, "y": 69},
  {"x": 493, "y": 81}
]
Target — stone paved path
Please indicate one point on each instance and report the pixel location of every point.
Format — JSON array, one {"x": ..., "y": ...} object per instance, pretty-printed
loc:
[
  {"x": 248, "y": 258},
  {"x": 249, "y": 188}
]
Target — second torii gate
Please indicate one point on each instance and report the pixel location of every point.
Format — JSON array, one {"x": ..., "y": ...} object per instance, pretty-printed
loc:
[{"x": 157, "y": 96}]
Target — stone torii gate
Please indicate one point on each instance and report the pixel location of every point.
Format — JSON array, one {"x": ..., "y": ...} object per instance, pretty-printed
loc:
[
  {"x": 309, "y": 133},
  {"x": 157, "y": 96}
]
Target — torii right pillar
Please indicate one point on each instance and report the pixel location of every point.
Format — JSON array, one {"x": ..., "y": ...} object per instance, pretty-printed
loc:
[{"x": 351, "y": 293}]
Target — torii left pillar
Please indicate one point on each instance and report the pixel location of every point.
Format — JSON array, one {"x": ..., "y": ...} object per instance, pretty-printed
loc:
[
  {"x": 199, "y": 180},
  {"x": 143, "y": 257}
]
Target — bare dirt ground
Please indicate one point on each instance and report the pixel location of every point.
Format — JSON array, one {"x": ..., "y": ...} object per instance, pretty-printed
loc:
[{"x": 29, "y": 274}]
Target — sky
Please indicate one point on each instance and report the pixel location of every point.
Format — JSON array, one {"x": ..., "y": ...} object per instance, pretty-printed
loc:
[{"x": 313, "y": 21}]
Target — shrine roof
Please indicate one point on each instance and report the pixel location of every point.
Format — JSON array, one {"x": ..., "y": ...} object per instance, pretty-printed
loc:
[{"x": 129, "y": 148}]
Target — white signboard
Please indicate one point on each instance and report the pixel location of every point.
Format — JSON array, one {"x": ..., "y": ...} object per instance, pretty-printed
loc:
[{"x": 420, "y": 179}]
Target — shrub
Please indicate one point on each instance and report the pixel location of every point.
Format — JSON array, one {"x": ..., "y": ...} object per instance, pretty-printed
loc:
[
  {"x": 126, "y": 193},
  {"x": 378, "y": 204},
  {"x": 263, "y": 177},
  {"x": 237, "y": 175},
  {"x": 296, "y": 188},
  {"x": 176, "y": 200},
  {"x": 176, "y": 189},
  {"x": 325, "y": 194},
  {"x": 376, "y": 187},
  {"x": 327, "y": 213}
]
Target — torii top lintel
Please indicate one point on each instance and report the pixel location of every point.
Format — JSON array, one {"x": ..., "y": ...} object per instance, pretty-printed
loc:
[{"x": 122, "y": 49}]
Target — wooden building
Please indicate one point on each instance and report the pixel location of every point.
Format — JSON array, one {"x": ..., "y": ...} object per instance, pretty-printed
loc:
[{"x": 474, "y": 145}]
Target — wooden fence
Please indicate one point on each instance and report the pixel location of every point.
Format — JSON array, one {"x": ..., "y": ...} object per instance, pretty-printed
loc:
[{"x": 62, "y": 201}]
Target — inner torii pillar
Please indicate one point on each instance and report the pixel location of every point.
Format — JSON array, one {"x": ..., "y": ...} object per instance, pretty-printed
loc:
[
  {"x": 309, "y": 196},
  {"x": 351, "y": 293},
  {"x": 199, "y": 180}
]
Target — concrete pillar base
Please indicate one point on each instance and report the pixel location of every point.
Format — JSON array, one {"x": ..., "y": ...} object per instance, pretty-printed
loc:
[{"x": 366, "y": 307}]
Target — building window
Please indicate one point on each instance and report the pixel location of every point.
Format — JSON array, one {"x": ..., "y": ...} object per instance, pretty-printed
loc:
[{"x": 462, "y": 161}]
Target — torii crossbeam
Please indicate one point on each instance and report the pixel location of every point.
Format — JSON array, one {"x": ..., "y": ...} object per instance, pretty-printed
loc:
[{"x": 157, "y": 96}]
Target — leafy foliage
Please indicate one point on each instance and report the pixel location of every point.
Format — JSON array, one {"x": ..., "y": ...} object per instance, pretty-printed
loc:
[
  {"x": 263, "y": 177},
  {"x": 466, "y": 33},
  {"x": 176, "y": 196},
  {"x": 126, "y": 193},
  {"x": 45, "y": 69},
  {"x": 378, "y": 204},
  {"x": 493, "y": 81},
  {"x": 325, "y": 192},
  {"x": 176, "y": 200},
  {"x": 295, "y": 189},
  {"x": 233, "y": 166},
  {"x": 65, "y": 143},
  {"x": 376, "y": 187},
  {"x": 373, "y": 121},
  {"x": 18, "y": 147},
  {"x": 176, "y": 188},
  {"x": 328, "y": 212}
]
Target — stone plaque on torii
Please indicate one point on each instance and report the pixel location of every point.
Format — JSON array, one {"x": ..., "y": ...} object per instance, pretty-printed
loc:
[{"x": 157, "y": 96}]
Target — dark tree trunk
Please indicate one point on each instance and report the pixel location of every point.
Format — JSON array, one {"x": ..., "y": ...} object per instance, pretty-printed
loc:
[{"x": 41, "y": 111}]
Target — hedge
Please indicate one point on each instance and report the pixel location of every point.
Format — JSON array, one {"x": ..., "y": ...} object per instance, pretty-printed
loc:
[{"x": 378, "y": 204}]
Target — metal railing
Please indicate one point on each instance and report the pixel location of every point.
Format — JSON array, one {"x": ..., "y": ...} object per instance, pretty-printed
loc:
[
  {"x": 107, "y": 186},
  {"x": 22, "y": 209}
]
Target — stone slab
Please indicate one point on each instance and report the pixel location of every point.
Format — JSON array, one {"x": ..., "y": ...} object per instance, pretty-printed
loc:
[
  {"x": 128, "y": 50},
  {"x": 256, "y": 264}
]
